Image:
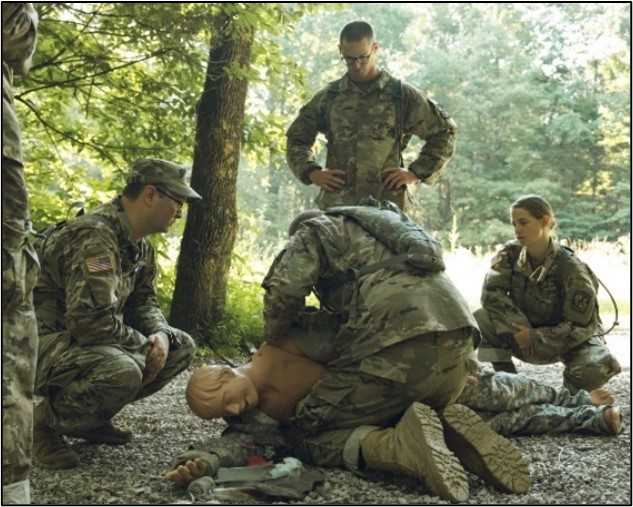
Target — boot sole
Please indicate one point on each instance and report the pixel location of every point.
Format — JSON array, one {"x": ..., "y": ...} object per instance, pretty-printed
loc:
[
  {"x": 483, "y": 452},
  {"x": 439, "y": 467}
]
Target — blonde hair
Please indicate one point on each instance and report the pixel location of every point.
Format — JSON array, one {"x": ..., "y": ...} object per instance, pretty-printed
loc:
[{"x": 204, "y": 390}]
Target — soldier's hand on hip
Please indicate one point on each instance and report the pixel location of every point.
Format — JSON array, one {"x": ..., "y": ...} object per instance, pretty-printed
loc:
[
  {"x": 395, "y": 178},
  {"x": 156, "y": 356},
  {"x": 329, "y": 180}
]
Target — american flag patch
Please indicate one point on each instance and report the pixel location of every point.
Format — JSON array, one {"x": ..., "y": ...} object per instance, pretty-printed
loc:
[{"x": 98, "y": 263}]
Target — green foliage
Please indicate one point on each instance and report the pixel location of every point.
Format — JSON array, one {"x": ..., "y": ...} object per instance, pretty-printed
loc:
[{"x": 242, "y": 326}]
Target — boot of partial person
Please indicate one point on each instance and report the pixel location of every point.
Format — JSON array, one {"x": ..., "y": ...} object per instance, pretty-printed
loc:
[
  {"x": 507, "y": 366},
  {"x": 16, "y": 493},
  {"x": 416, "y": 447},
  {"x": 483, "y": 452},
  {"x": 49, "y": 448},
  {"x": 104, "y": 434}
]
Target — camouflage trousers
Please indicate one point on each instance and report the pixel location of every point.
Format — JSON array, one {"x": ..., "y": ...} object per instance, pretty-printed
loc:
[
  {"x": 516, "y": 405},
  {"x": 588, "y": 366},
  {"x": 85, "y": 386},
  {"x": 332, "y": 419},
  {"x": 20, "y": 269}
]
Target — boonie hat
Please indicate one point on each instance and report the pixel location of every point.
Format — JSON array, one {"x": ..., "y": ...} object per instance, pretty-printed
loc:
[{"x": 164, "y": 174}]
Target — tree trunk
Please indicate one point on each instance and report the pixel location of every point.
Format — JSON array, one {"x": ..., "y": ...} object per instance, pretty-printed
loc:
[{"x": 207, "y": 243}]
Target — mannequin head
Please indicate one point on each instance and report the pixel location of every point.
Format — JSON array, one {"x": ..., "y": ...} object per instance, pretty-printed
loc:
[{"x": 220, "y": 391}]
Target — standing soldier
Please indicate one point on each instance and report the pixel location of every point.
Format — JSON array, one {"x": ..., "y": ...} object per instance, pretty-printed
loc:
[
  {"x": 19, "y": 267},
  {"x": 368, "y": 117}
]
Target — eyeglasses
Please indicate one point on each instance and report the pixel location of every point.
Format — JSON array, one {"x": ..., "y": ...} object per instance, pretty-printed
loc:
[
  {"x": 362, "y": 59},
  {"x": 178, "y": 202}
]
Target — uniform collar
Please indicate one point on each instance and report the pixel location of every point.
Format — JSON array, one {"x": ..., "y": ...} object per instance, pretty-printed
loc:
[
  {"x": 381, "y": 82},
  {"x": 122, "y": 225},
  {"x": 538, "y": 274}
]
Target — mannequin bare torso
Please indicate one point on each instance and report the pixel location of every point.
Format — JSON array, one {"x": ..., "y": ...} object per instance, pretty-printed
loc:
[{"x": 282, "y": 376}]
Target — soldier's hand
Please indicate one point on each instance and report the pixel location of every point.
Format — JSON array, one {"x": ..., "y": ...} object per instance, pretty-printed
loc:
[
  {"x": 395, "y": 178},
  {"x": 329, "y": 180},
  {"x": 601, "y": 396},
  {"x": 522, "y": 335},
  {"x": 156, "y": 356},
  {"x": 187, "y": 472}
]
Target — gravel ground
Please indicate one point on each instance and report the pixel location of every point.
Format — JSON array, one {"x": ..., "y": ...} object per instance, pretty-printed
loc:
[{"x": 565, "y": 469}]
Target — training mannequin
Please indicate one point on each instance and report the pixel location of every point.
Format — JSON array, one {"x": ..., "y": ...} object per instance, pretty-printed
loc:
[{"x": 275, "y": 379}]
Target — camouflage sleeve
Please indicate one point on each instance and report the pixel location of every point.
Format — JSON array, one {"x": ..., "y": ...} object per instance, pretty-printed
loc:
[
  {"x": 300, "y": 139},
  {"x": 425, "y": 119},
  {"x": 142, "y": 311},
  {"x": 495, "y": 295},
  {"x": 289, "y": 280},
  {"x": 90, "y": 269},
  {"x": 19, "y": 35},
  {"x": 579, "y": 317}
]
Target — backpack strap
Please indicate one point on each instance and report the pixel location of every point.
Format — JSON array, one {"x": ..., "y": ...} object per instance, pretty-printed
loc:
[{"x": 597, "y": 282}]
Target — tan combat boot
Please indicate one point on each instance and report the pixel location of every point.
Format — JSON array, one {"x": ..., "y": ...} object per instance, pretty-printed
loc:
[
  {"x": 484, "y": 452},
  {"x": 416, "y": 448},
  {"x": 49, "y": 448}
]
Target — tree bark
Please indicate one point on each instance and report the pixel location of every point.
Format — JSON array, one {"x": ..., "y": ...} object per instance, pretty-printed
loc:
[{"x": 210, "y": 231}]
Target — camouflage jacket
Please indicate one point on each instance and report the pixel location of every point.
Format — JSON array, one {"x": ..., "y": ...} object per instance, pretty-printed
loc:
[
  {"x": 19, "y": 33},
  {"x": 377, "y": 310},
  {"x": 557, "y": 300},
  {"x": 361, "y": 128},
  {"x": 98, "y": 284}
]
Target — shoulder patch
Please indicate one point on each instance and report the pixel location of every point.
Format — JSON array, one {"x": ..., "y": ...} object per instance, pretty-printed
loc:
[
  {"x": 98, "y": 264},
  {"x": 580, "y": 300}
]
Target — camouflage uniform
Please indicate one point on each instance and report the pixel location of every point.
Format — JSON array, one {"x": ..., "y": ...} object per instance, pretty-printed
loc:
[
  {"x": 516, "y": 405},
  {"x": 19, "y": 265},
  {"x": 362, "y": 127},
  {"x": 557, "y": 301},
  {"x": 404, "y": 337},
  {"x": 96, "y": 307}
]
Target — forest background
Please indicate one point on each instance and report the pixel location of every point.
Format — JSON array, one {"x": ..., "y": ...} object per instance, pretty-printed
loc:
[{"x": 540, "y": 93}]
